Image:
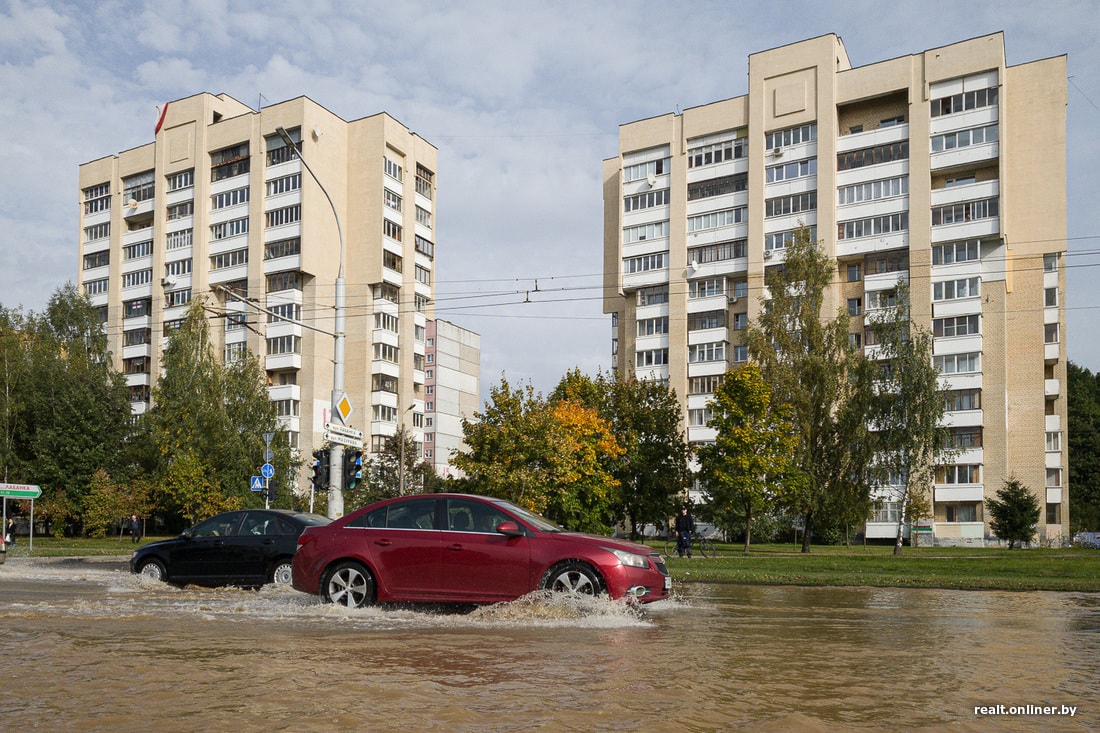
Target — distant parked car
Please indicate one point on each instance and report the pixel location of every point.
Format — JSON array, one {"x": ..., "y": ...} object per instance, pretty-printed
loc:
[
  {"x": 249, "y": 547},
  {"x": 1090, "y": 540},
  {"x": 457, "y": 548}
]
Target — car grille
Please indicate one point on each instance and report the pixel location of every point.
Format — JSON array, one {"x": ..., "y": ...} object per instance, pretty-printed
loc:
[{"x": 659, "y": 562}]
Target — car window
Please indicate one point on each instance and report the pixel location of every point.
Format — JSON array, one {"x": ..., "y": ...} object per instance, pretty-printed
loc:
[
  {"x": 412, "y": 514},
  {"x": 283, "y": 526},
  {"x": 223, "y": 525},
  {"x": 257, "y": 524},
  {"x": 467, "y": 515}
]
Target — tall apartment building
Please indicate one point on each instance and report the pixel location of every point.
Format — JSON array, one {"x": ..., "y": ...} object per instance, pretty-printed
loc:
[
  {"x": 219, "y": 206},
  {"x": 946, "y": 169},
  {"x": 452, "y": 391}
]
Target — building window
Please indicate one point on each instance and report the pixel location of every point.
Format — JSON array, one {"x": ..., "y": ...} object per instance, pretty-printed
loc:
[
  {"x": 959, "y": 474},
  {"x": 855, "y": 340},
  {"x": 178, "y": 268},
  {"x": 855, "y": 272},
  {"x": 286, "y": 184},
  {"x": 1054, "y": 478},
  {"x": 655, "y": 295},
  {"x": 286, "y": 408},
  {"x": 283, "y": 216},
  {"x": 229, "y": 259},
  {"x": 964, "y": 138},
  {"x": 718, "y": 186},
  {"x": 740, "y": 288},
  {"x": 139, "y": 187},
  {"x": 136, "y": 308},
  {"x": 386, "y": 352},
  {"x": 872, "y": 190},
  {"x": 182, "y": 210},
  {"x": 704, "y": 385},
  {"x": 700, "y": 418},
  {"x": 97, "y": 231},
  {"x": 277, "y": 149},
  {"x": 790, "y": 136},
  {"x": 137, "y": 365},
  {"x": 652, "y": 326},
  {"x": 229, "y": 198},
  {"x": 956, "y": 326},
  {"x": 424, "y": 179},
  {"x": 284, "y": 312},
  {"x": 391, "y": 199},
  {"x": 424, "y": 246},
  {"x": 975, "y": 99},
  {"x": 955, "y": 513},
  {"x": 1050, "y": 297},
  {"x": 706, "y": 288},
  {"x": 740, "y": 321},
  {"x": 181, "y": 180},
  {"x": 873, "y": 226},
  {"x": 719, "y": 252},
  {"x": 284, "y": 345},
  {"x": 103, "y": 259},
  {"x": 793, "y": 204},
  {"x": 1050, "y": 333},
  {"x": 289, "y": 280},
  {"x": 385, "y": 322},
  {"x": 718, "y": 152},
  {"x": 968, "y": 287},
  {"x": 392, "y": 169},
  {"x": 780, "y": 240},
  {"x": 386, "y": 291},
  {"x": 283, "y": 248},
  {"x": 791, "y": 170},
  {"x": 228, "y": 229},
  {"x": 177, "y": 298},
  {"x": 651, "y": 357},
  {"x": 180, "y": 239},
  {"x": 96, "y": 287},
  {"x": 423, "y": 217},
  {"x": 855, "y": 306},
  {"x": 872, "y": 156},
  {"x": 952, "y": 252},
  {"x": 964, "y": 438},
  {"x": 1054, "y": 441},
  {"x": 1054, "y": 514},
  {"x": 645, "y": 263},
  {"x": 392, "y": 230},
  {"x": 423, "y": 275},
  {"x": 965, "y": 211},
  {"x": 134, "y": 279},
  {"x": 645, "y": 232},
  {"x": 958, "y": 363},
  {"x": 716, "y": 219},
  {"x": 229, "y": 162},
  {"x": 705, "y": 320},
  {"x": 1050, "y": 262},
  {"x": 391, "y": 261},
  {"x": 699, "y": 353},
  {"x": 97, "y": 198},
  {"x": 959, "y": 400},
  {"x": 647, "y": 200}
]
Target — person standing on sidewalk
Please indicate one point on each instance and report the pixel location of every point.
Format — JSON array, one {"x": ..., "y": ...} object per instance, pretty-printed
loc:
[
  {"x": 685, "y": 528},
  {"x": 134, "y": 525}
]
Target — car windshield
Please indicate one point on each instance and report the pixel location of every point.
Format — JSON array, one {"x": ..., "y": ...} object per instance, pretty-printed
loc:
[{"x": 542, "y": 524}]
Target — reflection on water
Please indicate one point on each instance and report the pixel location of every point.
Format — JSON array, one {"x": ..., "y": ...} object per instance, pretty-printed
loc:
[{"x": 97, "y": 648}]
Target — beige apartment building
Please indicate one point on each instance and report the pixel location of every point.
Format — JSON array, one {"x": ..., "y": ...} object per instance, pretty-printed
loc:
[
  {"x": 945, "y": 169},
  {"x": 218, "y": 206}
]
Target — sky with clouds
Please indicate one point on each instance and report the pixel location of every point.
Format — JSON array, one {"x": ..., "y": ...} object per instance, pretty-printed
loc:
[{"x": 523, "y": 100}]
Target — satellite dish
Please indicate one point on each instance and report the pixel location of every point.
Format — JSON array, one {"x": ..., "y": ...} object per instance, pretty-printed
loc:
[
  {"x": 132, "y": 203},
  {"x": 694, "y": 266},
  {"x": 651, "y": 179}
]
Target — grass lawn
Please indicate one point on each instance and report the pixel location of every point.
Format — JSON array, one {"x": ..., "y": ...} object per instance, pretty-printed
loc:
[{"x": 920, "y": 567}]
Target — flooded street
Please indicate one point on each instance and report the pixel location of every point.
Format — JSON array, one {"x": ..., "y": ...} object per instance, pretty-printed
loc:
[{"x": 89, "y": 647}]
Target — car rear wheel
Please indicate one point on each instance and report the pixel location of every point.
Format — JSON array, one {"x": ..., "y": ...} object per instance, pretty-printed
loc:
[
  {"x": 348, "y": 584},
  {"x": 152, "y": 569},
  {"x": 574, "y": 578},
  {"x": 282, "y": 573}
]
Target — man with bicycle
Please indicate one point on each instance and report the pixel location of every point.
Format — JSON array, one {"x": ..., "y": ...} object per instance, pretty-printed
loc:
[{"x": 685, "y": 527}]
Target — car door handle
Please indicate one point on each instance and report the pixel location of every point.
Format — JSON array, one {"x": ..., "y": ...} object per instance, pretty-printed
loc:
[
  {"x": 456, "y": 547},
  {"x": 384, "y": 543},
  {"x": 219, "y": 543},
  {"x": 269, "y": 541}
]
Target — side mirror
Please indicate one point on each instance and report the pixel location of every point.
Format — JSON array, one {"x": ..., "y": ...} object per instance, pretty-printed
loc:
[
  {"x": 186, "y": 534},
  {"x": 510, "y": 528}
]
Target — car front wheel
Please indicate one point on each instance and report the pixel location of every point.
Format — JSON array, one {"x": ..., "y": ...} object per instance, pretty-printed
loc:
[
  {"x": 282, "y": 574},
  {"x": 348, "y": 584},
  {"x": 152, "y": 569},
  {"x": 573, "y": 578}
]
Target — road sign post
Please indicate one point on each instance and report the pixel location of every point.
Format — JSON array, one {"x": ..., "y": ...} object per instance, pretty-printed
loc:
[{"x": 20, "y": 491}]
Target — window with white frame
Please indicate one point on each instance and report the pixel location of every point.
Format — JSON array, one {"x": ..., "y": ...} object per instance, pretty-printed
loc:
[
  {"x": 964, "y": 138},
  {"x": 182, "y": 210},
  {"x": 644, "y": 232},
  {"x": 970, "y": 363},
  {"x": 1054, "y": 441},
  {"x": 283, "y": 216},
  {"x": 177, "y": 268},
  {"x": 793, "y": 204},
  {"x": 1050, "y": 333},
  {"x": 176, "y": 298},
  {"x": 706, "y": 287},
  {"x": 392, "y": 230},
  {"x": 645, "y": 263},
  {"x": 227, "y": 229},
  {"x": 790, "y": 136},
  {"x": 96, "y": 287},
  {"x": 284, "y": 312},
  {"x": 967, "y": 287},
  {"x": 780, "y": 240},
  {"x": 137, "y": 250},
  {"x": 655, "y": 295},
  {"x": 714, "y": 351},
  {"x": 284, "y": 184},
  {"x": 706, "y": 320},
  {"x": 953, "y": 252},
  {"x": 965, "y": 211},
  {"x": 97, "y": 231},
  {"x": 967, "y": 100},
  {"x": 652, "y": 326},
  {"x": 717, "y": 219},
  {"x": 647, "y": 200},
  {"x": 651, "y": 357},
  {"x": 956, "y": 326},
  {"x": 229, "y": 259},
  {"x": 1054, "y": 478},
  {"x": 386, "y": 352},
  {"x": 97, "y": 198},
  {"x": 391, "y": 199},
  {"x": 872, "y": 190},
  {"x": 640, "y": 171},
  {"x": 229, "y": 198},
  {"x": 969, "y": 473},
  {"x": 139, "y": 187},
  {"x": 288, "y": 344},
  {"x": 700, "y": 417},
  {"x": 181, "y": 180},
  {"x": 178, "y": 240},
  {"x": 392, "y": 169},
  {"x": 424, "y": 180},
  {"x": 134, "y": 279},
  {"x": 423, "y": 217},
  {"x": 717, "y": 152},
  {"x": 873, "y": 226},
  {"x": 790, "y": 170}
]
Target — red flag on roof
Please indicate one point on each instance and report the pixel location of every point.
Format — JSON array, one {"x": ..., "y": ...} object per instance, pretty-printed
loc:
[{"x": 163, "y": 110}]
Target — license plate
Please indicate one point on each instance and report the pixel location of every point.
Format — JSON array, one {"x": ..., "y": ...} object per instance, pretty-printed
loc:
[{"x": 668, "y": 582}]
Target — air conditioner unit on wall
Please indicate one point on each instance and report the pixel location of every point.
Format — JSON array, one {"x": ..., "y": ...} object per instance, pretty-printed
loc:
[{"x": 168, "y": 281}]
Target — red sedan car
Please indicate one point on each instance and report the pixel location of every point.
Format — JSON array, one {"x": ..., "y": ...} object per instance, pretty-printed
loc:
[{"x": 457, "y": 548}]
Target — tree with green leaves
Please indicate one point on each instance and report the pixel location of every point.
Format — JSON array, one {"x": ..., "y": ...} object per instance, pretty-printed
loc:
[
  {"x": 753, "y": 443},
  {"x": 384, "y": 473},
  {"x": 652, "y": 471},
  {"x": 1014, "y": 513},
  {"x": 66, "y": 410},
  {"x": 806, "y": 357},
  {"x": 215, "y": 415},
  {"x": 907, "y": 413},
  {"x": 1084, "y": 449}
]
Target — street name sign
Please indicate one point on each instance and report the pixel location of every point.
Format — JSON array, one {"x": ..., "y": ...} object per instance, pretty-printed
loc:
[
  {"x": 343, "y": 435},
  {"x": 20, "y": 491}
]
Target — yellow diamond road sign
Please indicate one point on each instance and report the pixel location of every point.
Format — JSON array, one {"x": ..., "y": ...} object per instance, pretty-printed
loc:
[{"x": 344, "y": 408}]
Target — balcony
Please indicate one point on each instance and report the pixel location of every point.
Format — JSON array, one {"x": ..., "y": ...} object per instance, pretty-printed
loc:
[{"x": 1052, "y": 388}]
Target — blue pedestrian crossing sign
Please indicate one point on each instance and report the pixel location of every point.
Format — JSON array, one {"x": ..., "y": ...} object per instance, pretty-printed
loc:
[{"x": 257, "y": 483}]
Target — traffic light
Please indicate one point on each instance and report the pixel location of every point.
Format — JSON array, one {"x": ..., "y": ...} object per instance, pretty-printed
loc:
[
  {"x": 353, "y": 468},
  {"x": 319, "y": 479}
]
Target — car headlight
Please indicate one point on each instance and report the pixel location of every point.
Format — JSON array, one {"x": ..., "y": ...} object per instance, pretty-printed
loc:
[{"x": 629, "y": 558}]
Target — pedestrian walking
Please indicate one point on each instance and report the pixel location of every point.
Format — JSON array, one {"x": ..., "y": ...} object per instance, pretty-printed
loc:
[
  {"x": 134, "y": 525},
  {"x": 685, "y": 528}
]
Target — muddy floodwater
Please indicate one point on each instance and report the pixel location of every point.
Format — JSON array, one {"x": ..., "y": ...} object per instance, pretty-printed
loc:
[{"x": 85, "y": 646}]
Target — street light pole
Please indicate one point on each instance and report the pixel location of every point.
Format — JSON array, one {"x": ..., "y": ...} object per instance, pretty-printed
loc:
[{"x": 336, "y": 453}]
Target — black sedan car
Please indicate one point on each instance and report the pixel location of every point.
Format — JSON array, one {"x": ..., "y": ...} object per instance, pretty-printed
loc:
[{"x": 249, "y": 547}]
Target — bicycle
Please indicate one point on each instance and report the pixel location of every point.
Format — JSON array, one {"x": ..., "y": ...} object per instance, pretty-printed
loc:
[{"x": 698, "y": 545}]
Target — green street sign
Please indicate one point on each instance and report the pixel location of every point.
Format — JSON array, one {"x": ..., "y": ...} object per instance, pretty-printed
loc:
[{"x": 20, "y": 491}]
